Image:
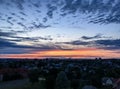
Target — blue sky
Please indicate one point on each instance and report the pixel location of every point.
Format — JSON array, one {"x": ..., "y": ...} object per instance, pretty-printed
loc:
[{"x": 43, "y": 25}]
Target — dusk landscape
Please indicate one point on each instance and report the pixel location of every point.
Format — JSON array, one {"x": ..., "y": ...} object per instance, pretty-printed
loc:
[{"x": 74, "y": 39}]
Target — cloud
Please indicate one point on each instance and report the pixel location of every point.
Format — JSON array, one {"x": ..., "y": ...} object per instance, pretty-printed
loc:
[
  {"x": 45, "y": 19},
  {"x": 40, "y": 25},
  {"x": 109, "y": 42},
  {"x": 11, "y": 23},
  {"x": 5, "y": 27},
  {"x": 7, "y": 45},
  {"x": 19, "y": 3},
  {"x": 93, "y": 37},
  {"x": 21, "y": 24},
  {"x": 6, "y": 34},
  {"x": 93, "y": 11},
  {"x": 23, "y": 19},
  {"x": 9, "y": 18},
  {"x": 22, "y": 13},
  {"x": 97, "y": 10},
  {"x": 50, "y": 10},
  {"x": 13, "y": 13},
  {"x": 36, "y": 4},
  {"x": 76, "y": 42},
  {"x": 32, "y": 39},
  {"x": 38, "y": 11},
  {"x": 7, "y": 50},
  {"x": 12, "y": 34}
]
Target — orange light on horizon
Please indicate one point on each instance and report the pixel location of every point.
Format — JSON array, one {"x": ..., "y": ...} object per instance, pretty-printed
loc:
[{"x": 79, "y": 53}]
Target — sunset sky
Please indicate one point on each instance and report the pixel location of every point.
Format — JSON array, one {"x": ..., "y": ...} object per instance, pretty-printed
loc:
[{"x": 59, "y": 28}]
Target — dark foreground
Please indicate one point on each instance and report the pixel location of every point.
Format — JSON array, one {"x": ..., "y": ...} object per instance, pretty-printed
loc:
[{"x": 60, "y": 74}]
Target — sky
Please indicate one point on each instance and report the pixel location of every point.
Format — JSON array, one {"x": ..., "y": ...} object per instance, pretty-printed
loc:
[{"x": 59, "y": 28}]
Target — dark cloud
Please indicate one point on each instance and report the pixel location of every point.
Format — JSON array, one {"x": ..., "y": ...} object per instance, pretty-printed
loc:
[
  {"x": 32, "y": 39},
  {"x": 94, "y": 37},
  {"x": 6, "y": 27},
  {"x": 8, "y": 47},
  {"x": 50, "y": 10},
  {"x": 6, "y": 34},
  {"x": 12, "y": 34},
  {"x": 19, "y": 3},
  {"x": 45, "y": 38},
  {"x": 93, "y": 7},
  {"x": 36, "y": 4},
  {"x": 77, "y": 42},
  {"x": 22, "y": 13},
  {"x": 38, "y": 11},
  {"x": 23, "y": 19},
  {"x": 96, "y": 11},
  {"x": 45, "y": 19},
  {"x": 108, "y": 44},
  {"x": 21, "y": 24},
  {"x": 50, "y": 14},
  {"x": 20, "y": 17},
  {"x": 9, "y": 18},
  {"x": 40, "y": 25},
  {"x": 7, "y": 50},
  {"x": 110, "y": 47},
  {"x": 8, "y": 43},
  {"x": 2, "y": 19},
  {"x": 19, "y": 31},
  {"x": 11, "y": 23},
  {"x": 70, "y": 7},
  {"x": 63, "y": 14},
  {"x": 111, "y": 42},
  {"x": 13, "y": 14}
]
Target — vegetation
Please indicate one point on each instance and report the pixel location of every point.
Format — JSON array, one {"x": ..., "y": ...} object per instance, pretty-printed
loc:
[
  {"x": 40, "y": 85},
  {"x": 62, "y": 81}
]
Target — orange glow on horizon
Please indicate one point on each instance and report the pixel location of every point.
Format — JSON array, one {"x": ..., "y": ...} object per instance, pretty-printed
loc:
[{"x": 80, "y": 53}]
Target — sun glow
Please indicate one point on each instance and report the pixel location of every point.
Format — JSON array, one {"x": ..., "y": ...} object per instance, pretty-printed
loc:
[{"x": 80, "y": 53}]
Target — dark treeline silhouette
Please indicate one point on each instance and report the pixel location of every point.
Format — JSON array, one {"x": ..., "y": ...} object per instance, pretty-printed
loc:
[{"x": 62, "y": 73}]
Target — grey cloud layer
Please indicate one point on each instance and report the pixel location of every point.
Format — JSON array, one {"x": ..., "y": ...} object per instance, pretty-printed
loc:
[
  {"x": 109, "y": 44},
  {"x": 10, "y": 47}
]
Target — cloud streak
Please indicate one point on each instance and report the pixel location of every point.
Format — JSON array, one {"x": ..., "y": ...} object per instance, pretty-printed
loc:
[
  {"x": 108, "y": 44},
  {"x": 94, "y": 37}
]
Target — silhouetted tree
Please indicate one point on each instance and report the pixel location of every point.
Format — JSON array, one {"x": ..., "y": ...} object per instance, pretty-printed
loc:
[
  {"x": 50, "y": 79},
  {"x": 62, "y": 81},
  {"x": 33, "y": 75}
]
